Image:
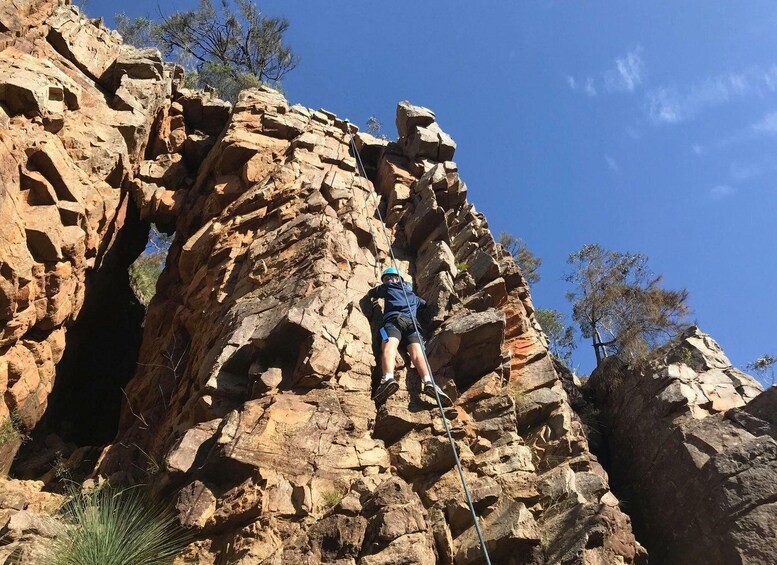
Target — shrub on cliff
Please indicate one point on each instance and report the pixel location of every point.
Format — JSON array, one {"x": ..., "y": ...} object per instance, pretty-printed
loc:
[
  {"x": 11, "y": 430},
  {"x": 561, "y": 338},
  {"x": 116, "y": 527},
  {"x": 147, "y": 268},
  {"x": 144, "y": 273},
  {"x": 527, "y": 261},
  {"x": 764, "y": 368},
  {"x": 229, "y": 48}
]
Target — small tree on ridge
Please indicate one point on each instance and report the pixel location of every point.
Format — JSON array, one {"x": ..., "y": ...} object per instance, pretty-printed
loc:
[
  {"x": 764, "y": 367},
  {"x": 619, "y": 304},
  {"x": 230, "y": 47},
  {"x": 561, "y": 337},
  {"x": 527, "y": 262}
]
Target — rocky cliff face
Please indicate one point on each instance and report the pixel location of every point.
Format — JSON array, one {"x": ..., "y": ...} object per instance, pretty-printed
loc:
[
  {"x": 94, "y": 133},
  {"x": 692, "y": 447},
  {"x": 68, "y": 143},
  {"x": 251, "y": 404},
  {"x": 253, "y": 392},
  {"x": 248, "y": 400}
]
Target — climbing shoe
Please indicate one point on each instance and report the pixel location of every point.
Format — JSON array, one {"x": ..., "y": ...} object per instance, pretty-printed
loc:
[
  {"x": 429, "y": 388},
  {"x": 385, "y": 389}
]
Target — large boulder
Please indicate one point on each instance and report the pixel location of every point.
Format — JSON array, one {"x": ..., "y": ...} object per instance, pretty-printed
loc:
[
  {"x": 468, "y": 346},
  {"x": 693, "y": 445}
]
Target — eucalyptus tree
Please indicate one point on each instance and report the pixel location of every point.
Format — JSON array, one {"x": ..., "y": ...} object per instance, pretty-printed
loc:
[{"x": 619, "y": 304}]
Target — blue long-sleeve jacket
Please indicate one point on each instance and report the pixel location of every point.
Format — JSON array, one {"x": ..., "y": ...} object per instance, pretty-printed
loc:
[{"x": 394, "y": 299}]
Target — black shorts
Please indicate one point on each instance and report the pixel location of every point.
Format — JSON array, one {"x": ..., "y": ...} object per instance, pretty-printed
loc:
[{"x": 400, "y": 327}]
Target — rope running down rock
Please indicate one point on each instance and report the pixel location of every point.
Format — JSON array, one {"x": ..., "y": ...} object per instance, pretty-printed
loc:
[{"x": 362, "y": 173}]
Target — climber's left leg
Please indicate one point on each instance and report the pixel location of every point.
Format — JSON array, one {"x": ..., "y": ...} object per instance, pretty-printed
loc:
[{"x": 419, "y": 362}]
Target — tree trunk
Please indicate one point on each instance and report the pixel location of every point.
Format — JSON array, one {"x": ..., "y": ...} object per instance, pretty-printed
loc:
[
  {"x": 602, "y": 345},
  {"x": 596, "y": 347},
  {"x": 599, "y": 348}
]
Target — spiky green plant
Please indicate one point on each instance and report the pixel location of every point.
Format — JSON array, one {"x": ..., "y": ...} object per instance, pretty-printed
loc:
[
  {"x": 11, "y": 429},
  {"x": 331, "y": 498},
  {"x": 107, "y": 526}
]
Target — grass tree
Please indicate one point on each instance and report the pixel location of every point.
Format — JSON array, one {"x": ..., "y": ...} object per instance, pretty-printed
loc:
[{"x": 117, "y": 527}]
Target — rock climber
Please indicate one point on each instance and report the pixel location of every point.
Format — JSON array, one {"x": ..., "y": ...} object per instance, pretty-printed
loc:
[{"x": 399, "y": 310}]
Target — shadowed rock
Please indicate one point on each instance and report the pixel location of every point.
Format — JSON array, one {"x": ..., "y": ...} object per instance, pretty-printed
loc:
[{"x": 698, "y": 457}]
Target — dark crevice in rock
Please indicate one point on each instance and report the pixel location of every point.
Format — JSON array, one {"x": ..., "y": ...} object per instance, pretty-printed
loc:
[
  {"x": 597, "y": 416},
  {"x": 582, "y": 400},
  {"x": 582, "y": 403},
  {"x": 99, "y": 360}
]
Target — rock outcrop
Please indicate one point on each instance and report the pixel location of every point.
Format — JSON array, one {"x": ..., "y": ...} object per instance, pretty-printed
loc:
[
  {"x": 86, "y": 126},
  {"x": 253, "y": 394},
  {"x": 27, "y": 526},
  {"x": 250, "y": 406},
  {"x": 692, "y": 447},
  {"x": 65, "y": 151}
]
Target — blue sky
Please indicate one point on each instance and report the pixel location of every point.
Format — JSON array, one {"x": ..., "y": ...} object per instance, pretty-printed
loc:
[{"x": 644, "y": 127}]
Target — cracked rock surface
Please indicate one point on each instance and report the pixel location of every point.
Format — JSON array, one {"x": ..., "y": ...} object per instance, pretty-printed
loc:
[
  {"x": 250, "y": 408},
  {"x": 698, "y": 457},
  {"x": 67, "y": 150},
  {"x": 259, "y": 356}
]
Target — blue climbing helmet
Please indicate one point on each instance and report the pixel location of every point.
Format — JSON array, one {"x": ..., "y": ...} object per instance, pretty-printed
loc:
[{"x": 390, "y": 271}]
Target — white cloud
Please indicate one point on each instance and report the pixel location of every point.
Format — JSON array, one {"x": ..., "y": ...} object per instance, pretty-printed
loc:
[
  {"x": 671, "y": 105},
  {"x": 741, "y": 173},
  {"x": 722, "y": 191},
  {"x": 767, "y": 124},
  {"x": 770, "y": 78},
  {"x": 612, "y": 164},
  {"x": 737, "y": 83},
  {"x": 589, "y": 87},
  {"x": 626, "y": 76},
  {"x": 633, "y": 133},
  {"x": 664, "y": 105}
]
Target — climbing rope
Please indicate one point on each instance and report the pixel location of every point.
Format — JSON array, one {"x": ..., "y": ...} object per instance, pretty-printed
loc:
[
  {"x": 363, "y": 173},
  {"x": 333, "y": 170}
]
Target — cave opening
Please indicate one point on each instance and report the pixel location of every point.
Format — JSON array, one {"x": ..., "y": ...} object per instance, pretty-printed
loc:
[{"x": 100, "y": 357}]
